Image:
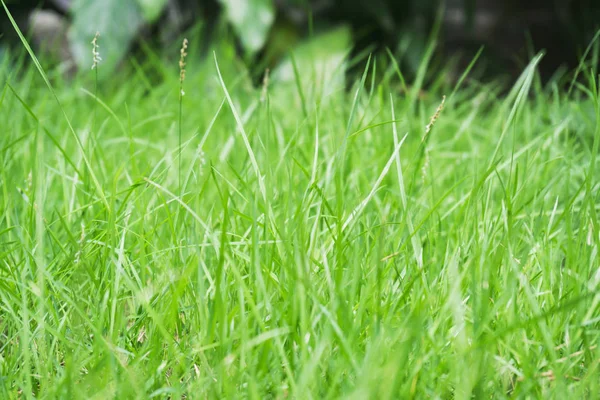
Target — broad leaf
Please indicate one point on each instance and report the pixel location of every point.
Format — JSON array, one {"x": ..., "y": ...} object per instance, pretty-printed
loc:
[
  {"x": 252, "y": 20},
  {"x": 320, "y": 63},
  {"x": 152, "y": 9},
  {"x": 117, "y": 21}
]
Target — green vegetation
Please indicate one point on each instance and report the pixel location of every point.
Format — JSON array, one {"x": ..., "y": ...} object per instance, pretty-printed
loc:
[{"x": 320, "y": 244}]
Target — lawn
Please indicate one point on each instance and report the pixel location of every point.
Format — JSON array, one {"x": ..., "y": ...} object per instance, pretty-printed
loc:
[{"x": 314, "y": 236}]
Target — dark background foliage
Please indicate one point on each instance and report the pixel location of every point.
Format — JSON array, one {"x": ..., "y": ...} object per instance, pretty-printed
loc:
[{"x": 510, "y": 30}]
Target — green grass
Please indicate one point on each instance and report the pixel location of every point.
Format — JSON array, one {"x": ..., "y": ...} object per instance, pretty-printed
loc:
[{"x": 322, "y": 245}]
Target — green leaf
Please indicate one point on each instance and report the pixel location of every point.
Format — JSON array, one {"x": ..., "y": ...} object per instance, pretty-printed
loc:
[
  {"x": 320, "y": 62},
  {"x": 252, "y": 20},
  {"x": 152, "y": 9},
  {"x": 117, "y": 21}
]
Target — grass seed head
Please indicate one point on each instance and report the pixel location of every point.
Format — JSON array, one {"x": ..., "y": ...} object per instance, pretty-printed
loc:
[
  {"x": 95, "y": 53},
  {"x": 182, "y": 55},
  {"x": 435, "y": 116}
]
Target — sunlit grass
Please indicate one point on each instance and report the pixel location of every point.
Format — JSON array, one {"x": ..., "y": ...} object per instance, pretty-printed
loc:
[{"x": 314, "y": 243}]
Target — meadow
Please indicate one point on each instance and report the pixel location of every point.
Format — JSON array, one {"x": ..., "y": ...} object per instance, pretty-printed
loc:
[{"x": 318, "y": 235}]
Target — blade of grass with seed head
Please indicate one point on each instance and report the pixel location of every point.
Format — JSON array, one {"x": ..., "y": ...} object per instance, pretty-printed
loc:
[{"x": 50, "y": 87}]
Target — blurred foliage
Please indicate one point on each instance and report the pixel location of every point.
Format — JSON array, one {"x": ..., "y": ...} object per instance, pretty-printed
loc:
[
  {"x": 152, "y": 9},
  {"x": 252, "y": 20},
  {"x": 320, "y": 60},
  {"x": 266, "y": 30},
  {"x": 118, "y": 21}
]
